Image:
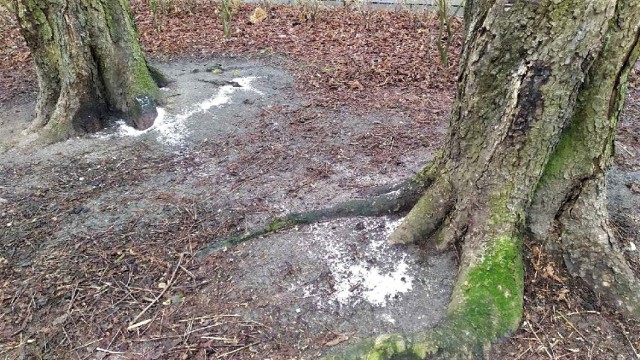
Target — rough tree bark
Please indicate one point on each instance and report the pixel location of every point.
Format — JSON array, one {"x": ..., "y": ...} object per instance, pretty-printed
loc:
[
  {"x": 540, "y": 90},
  {"x": 89, "y": 63},
  {"x": 541, "y": 86}
]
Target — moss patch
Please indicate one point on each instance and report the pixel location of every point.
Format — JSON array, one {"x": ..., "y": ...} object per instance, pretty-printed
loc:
[
  {"x": 279, "y": 224},
  {"x": 493, "y": 292}
]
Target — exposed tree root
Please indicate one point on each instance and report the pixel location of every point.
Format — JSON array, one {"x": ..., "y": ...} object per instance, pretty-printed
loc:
[
  {"x": 401, "y": 199},
  {"x": 427, "y": 215},
  {"x": 487, "y": 301},
  {"x": 453, "y": 230},
  {"x": 385, "y": 204}
]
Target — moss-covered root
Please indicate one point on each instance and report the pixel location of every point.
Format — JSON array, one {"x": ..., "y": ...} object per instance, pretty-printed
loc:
[
  {"x": 427, "y": 215},
  {"x": 486, "y": 305},
  {"x": 592, "y": 252},
  {"x": 398, "y": 200}
]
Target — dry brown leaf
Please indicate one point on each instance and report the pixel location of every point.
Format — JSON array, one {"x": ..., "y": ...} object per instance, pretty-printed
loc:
[
  {"x": 550, "y": 273},
  {"x": 355, "y": 85},
  {"x": 562, "y": 295},
  {"x": 258, "y": 15},
  {"x": 339, "y": 339}
]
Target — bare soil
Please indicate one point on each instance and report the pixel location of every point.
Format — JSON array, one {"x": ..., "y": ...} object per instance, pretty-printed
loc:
[{"x": 98, "y": 234}]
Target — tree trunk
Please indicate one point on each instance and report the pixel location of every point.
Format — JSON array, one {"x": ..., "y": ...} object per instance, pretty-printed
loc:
[
  {"x": 541, "y": 86},
  {"x": 89, "y": 63}
]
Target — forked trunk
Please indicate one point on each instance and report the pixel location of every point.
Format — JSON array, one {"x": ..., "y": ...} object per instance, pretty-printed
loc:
[{"x": 89, "y": 63}]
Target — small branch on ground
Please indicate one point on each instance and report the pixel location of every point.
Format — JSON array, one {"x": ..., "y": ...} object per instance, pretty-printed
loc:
[{"x": 133, "y": 323}]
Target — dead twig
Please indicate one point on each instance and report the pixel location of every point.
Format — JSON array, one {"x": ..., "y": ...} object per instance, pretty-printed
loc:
[
  {"x": 236, "y": 350},
  {"x": 573, "y": 327},
  {"x": 633, "y": 348},
  {"x": 540, "y": 340},
  {"x": 133, "y": 324},
  {"x": 206, "y": 317},
  {"x": 110, "y": 352},
  {"x": 85, "y": 345},
  {"x": 523, "y": 353}
]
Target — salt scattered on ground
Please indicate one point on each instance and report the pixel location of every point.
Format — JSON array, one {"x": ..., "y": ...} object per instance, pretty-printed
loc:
[
  {"x": 371, "y": 277},
  {"x": 388, "y": 317},
  {"x": 173, "y": 129}
]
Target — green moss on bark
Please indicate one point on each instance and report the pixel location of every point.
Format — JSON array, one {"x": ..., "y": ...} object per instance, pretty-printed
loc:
[
  {"x": 279, "y": 224},
  {"x": 124, "y": 34},
  {"x": 502, "y": 212},
  {"x": 492, "y": 291},
  {"x": 387, "y": 346}
]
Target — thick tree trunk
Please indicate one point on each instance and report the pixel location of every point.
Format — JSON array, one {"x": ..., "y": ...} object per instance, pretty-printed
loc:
[
  {"x": 541, "y": 87},
  {"x": 89, "y": 63}
]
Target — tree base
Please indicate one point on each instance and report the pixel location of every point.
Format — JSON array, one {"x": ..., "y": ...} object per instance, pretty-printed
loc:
[
  {"x": 89, "y": 64},
  {"x": 486, "y": 306}
]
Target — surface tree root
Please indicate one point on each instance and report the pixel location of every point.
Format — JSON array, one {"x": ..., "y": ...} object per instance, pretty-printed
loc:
[
  {"x": 401, "y": 198},
  {"x": 427, "y": 215}
]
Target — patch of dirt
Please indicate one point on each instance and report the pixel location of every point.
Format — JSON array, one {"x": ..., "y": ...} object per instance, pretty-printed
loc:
[
  {"x": 99, "y": 233},
  {"x": 95, "y": 229}
]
